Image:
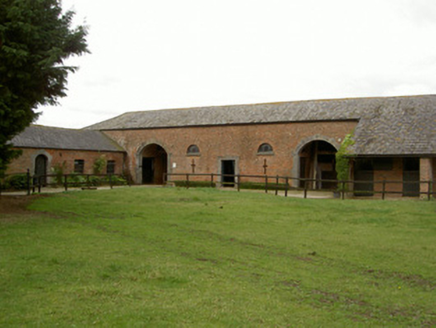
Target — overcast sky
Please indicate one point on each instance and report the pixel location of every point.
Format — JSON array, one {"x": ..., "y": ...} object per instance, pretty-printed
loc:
[{"x": 172, "y": 54}]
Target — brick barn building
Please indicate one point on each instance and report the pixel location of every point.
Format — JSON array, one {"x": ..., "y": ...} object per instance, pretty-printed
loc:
[
  {"x": 394, "y": 139},
  {"x": 44, "y": 148}
]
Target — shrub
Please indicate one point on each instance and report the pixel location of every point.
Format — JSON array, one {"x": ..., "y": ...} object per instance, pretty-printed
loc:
[
  {"x": 118, "y": 180},
  {"x": 342, "y": 161},
  {"x": 96, "y": 181},
  {"x": 76, "y": 180},
  {"x": 99, "y": 164},
  {"x": 58, "y": 171},
  {"x": 18, "y": 182}
]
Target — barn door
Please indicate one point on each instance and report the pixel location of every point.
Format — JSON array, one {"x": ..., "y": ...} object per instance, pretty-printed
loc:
[
  {"x": 411, "y": 177},
  {"x": 228, "y": 171},
  {"x": 41, "y": 168},
  {"x": 148, "y": 170},
  {"x": 364, "y": 172}
]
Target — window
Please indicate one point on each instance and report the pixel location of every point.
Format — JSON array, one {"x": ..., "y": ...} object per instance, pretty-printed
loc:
[
  {"x": 193, "y": 150},
  {"x": 265, "y": 148},
  {"x": 79, "y": 166},
  {"x": 110, "y": 167}
]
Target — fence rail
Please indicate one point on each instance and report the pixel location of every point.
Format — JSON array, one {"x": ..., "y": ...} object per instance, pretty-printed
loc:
[
  {"x": 26, "y": 182},
  {"x": 286, "y": 184}
]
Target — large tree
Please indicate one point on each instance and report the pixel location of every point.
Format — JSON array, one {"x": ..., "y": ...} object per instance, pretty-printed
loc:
[{"x": 35, "y": 39}]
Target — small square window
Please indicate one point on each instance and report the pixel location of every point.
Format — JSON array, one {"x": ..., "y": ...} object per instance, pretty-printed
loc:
[
  {"x": 110, "y": 167},
  {"x": 79, "y": 166}
]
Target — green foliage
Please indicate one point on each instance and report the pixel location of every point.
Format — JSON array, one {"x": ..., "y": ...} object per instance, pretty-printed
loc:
[
  {"x": 76, "y": 180},
  {"x": 96, "y": 181},
  {"x": 342, "y": 161},
  {"x": 58, "y": 170},
  {"x": 118, "y": 180},
  {"x": 99, "y": 165},
  {"x": 16, "y": 182},
  {"x": 35, "y": 39},
  {"x": 170, "y": 257}
]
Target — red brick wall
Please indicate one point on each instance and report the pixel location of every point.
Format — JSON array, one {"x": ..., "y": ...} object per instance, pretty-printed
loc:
[
  {"x": 233, "y": 142},
  {"x": 434, "y": 174},
  {"x": 56, "y": 156},
  {"x": 396, "y": 174}
]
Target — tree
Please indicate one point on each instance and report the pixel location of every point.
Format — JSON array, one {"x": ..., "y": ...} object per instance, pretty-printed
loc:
[
  {"x": 343, "y": 161},
  {"x": 35, "y": 39}
]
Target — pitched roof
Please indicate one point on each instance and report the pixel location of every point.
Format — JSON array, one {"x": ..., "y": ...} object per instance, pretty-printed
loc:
[
  {"x": 39, "y": 136},
  {"x": 387, "y": 125},
  {"x": 317, "y": 110},
  {"x": 397, "y": 126}
]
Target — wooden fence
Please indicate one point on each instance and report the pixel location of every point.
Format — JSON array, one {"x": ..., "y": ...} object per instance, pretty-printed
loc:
[
  {"x": 26, "y": 182},
  {"x": 286, "y": 184}
]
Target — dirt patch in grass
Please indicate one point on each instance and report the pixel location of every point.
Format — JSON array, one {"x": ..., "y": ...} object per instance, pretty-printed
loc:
[{"x": 14, "y": 208}]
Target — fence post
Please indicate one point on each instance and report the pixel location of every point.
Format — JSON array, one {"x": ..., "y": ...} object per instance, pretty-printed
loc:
[
  {"x": 384, "y": 190},
  {"x": 429, "y": 190},
  {"x": 305, "y": 188},
  {"x": 277, "y": 185},
  {"x": 266, "y": 184},
  {"x": 238, "y": 182},
  {"x": 286, "y": 186},
  {"x": 343, "y": 190},
  {"x": 28, "y": 182},
  {"x": 87, "y": 180},
  {"x": 39, "y": 184},
  {"x": 211, "y": 180},
  {"x": 187, "y": 181},
  {"x": 66, "y": 182},
  {"x": 110, "y": 181}
]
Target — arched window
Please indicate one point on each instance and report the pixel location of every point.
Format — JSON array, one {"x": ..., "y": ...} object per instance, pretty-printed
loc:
[
  {"x": 193, "y": 150},
  {"x": 265, "y": 148}
]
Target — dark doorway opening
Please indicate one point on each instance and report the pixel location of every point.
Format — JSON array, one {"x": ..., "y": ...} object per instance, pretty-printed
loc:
[
  {"x": 411, "y": 177},
  {"x": 147, "y": 170},
  {"x": 154, "y": 164},
  {"x": 318, "y": 162},
  {"x": 41, "y": 169},
  {"x": 364, "y": 172},
  {"x": 228, "y": 173}
]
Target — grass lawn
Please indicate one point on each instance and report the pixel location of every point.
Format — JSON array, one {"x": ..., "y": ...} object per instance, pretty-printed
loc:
[{"x": 170, "y": 257}]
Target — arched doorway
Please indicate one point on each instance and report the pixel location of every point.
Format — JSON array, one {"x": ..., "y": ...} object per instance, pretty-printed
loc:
[
  {"x": 41, "y": 168},
  {"x": 317, "y": 161},
  {"x": 154, "y": 163}
]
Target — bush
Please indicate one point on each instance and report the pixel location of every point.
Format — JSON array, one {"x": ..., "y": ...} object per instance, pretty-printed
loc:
[
  {"x": 99, "y": 164},
  {"x": 117, "y": 180},
  {"x": 76, "y": 180},
  {"x": 17, "y": 182},
  {"x": 58, "y": 171},
  {"x": 342, "y": 161},
  {"x": 96, "y": 181}
]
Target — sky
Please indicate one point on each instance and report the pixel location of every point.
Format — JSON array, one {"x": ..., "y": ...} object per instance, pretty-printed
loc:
[{"x": 149, "y": 54}]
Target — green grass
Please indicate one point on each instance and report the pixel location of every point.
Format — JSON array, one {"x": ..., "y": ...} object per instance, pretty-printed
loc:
[{"x": 170, "y": 257}]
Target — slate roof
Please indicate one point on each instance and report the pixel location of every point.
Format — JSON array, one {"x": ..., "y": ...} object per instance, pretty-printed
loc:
[
  {"x": 396, "y": 126},
  {"x": 39, "y": 136}
]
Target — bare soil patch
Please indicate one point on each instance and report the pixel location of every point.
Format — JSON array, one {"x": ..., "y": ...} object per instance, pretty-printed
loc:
[{"x": 15, "y": 207}]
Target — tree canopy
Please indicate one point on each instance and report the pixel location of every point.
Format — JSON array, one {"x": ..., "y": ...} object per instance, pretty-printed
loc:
[{"x": 35, "y": 39}]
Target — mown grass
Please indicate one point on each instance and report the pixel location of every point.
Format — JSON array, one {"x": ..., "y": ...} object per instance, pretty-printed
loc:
[{"x": 173, "y": 257}]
